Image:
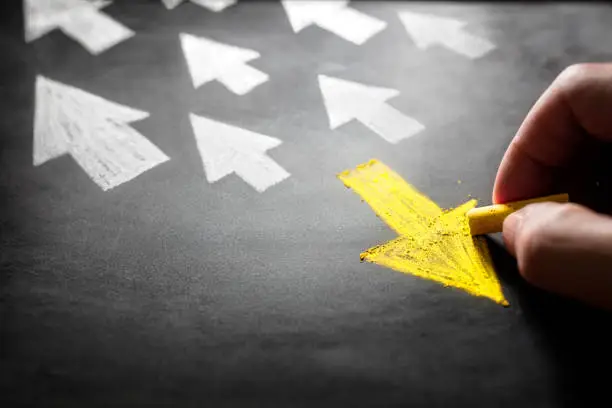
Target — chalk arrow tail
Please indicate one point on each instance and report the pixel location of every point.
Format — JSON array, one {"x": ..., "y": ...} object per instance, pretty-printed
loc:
[
  {"x": 390, "y": 124},
  {"x": 95, "y": 31},
  {"x": 352, "y": 25},
  {"x": 242, "y": 79},
  {"x": 427, "y": 30},
  {"x": 469, "y": 45},
  {"x": 261, "y": 172},
  {"x": 391, "y": 198}
]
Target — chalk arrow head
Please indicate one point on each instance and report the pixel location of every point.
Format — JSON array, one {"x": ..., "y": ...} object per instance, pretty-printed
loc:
[
  {"x": 216, "y": 51},
  {"x": 458, "y": 259},
  {"x": 346, "y": 100},
  {"x": 227, "y": 149},
  {"x": 94, "y": 131},
  {"x": 432, "y": 244},
  {"x": 55, "y": 95},
  {"x": 427, "y": 30},
  {"x": 302, "y": 13},
  {"x": 208, "y": 60},
  {"x": 61, "y": 111}
]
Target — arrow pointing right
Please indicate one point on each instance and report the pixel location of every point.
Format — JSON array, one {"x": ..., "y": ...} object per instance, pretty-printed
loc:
[
  {"x": 346, "y": 100},
  {"x": 427, "y": 30},
  {"x": 227, "y": 149},
  {"x": 82, "y": 20}
]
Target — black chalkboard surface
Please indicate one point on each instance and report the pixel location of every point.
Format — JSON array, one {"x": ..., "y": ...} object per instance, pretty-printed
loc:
[{"x": 171, "y": 290}]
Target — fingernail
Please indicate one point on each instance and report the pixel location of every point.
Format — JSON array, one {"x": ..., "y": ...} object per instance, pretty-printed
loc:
[{"x": 512, "y": 224}]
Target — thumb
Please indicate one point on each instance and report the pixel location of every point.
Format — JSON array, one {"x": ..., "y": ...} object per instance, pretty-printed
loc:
[{"x": 563, "y": 248}]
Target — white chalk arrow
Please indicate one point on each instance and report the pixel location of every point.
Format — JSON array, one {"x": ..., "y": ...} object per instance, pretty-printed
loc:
[
  {"x": 94, "y": 131},
  {"x": 212, "y": 5},
  {"x": 335, "y": 16},
  {"x": 427, "y": 30},
  {"x": 227, "y": 149},
  {"x": 346, "y": 100},
  {"x": 79, "y": 19},
  {"x": 209, "y": 60}
]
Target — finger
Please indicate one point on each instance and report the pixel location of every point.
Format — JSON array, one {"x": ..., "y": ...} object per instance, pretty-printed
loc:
[
  {"x": 564, "y": 248},
  {"x": 575, "y": 107}
]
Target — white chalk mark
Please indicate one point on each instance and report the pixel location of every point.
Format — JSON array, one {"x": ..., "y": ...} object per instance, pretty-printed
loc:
[
  {"x": 335, "y": 16},
  {"x": 227, "y": 149},
  {"x": 427, "y": 30},
  {"x": 79, "y": 19},
  {"x": 100, "y": 4},
  {"x": 94, "y": 131},
  {"x": 213, "y": 5},
  {"x": 170, "y": 4},
  {"x": 346, "y": 100},
  {"x": 209, "y": 60}
]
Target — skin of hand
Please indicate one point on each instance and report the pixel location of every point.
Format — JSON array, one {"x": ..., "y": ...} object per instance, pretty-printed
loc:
[{"x": 563, "y": 248}]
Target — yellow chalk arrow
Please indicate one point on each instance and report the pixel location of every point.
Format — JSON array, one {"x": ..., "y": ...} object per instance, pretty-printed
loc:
[{"x": 432, "y": 243}]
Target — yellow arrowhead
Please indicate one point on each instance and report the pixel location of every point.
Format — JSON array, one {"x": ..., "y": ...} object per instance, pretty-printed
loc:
[{"x": 432, "y": 243}]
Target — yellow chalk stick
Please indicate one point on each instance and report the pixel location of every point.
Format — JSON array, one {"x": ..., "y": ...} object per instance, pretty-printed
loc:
[{"x": 490, "y": 219}]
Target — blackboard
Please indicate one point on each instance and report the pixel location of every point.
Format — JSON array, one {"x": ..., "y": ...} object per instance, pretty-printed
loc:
[{"x": 169, "y": 290}]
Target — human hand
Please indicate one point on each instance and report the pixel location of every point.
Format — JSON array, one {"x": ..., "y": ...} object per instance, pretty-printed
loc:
[{"x": 564, "y": 248}]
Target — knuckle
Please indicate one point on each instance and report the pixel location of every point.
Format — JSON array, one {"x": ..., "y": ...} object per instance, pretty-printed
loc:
[
  {"x": 573, "y": 74},
  {"x": 585, "y": 89},
  {"x": 567, "y": 211},
  {"x": 577, "y": 82},
  {"x": 539, "y": 239},
  {"x": 533, "y": 247}
]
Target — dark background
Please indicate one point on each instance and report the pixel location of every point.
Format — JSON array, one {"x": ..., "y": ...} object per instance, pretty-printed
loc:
[{"x": 168, "y": 290}]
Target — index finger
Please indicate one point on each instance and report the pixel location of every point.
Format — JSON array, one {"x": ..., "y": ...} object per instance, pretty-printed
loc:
[{"x": 576, "y": 106}]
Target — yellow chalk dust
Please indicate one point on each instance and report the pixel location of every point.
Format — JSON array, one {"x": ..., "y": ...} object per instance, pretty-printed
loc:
[{"x": 432, "y": 244}]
